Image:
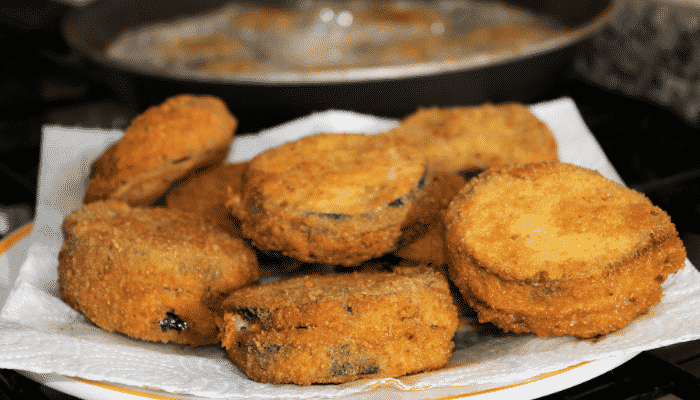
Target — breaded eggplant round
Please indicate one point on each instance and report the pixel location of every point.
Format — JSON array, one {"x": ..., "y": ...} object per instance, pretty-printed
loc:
[
  {"x": 153, "y": 274},
  {"x": 205, "y": 193},
  {"x": 341, "y": 327},
  {"x": 476, "y": 137},
  {"x": 334, "y": 198},
  {"x": 159, "y": 147},
  {"x": 556, "y": 249}
]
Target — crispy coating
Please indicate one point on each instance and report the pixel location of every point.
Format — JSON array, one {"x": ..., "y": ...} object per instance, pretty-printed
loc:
[
  {"x": 154, "y": 274},
  {"x": 556, "y": 249},
  {"x": 341, "y": 327},
  {"x": 429, "y": 245},
  {"x": 334, "y": 198},
  {"x": 476, "y": 137},
  {"x": 159, "y": 147},
  {"x": 205, "y": 194}
]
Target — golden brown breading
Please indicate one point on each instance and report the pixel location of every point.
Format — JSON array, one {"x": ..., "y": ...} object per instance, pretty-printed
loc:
[
  {"x": 160, "y": 146},
  {"x": 556, "y": 249},
  {"x": 341, "y": 327},
  {"x": 476, "y": 137},
  {"x": 205, "y": 194},
  {"x": 154, "y": 274},
  {"x": 333, "y": 198},
  {"x": 429, "y": 245}
]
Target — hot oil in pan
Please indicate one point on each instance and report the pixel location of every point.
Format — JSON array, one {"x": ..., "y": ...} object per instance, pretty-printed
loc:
[{"x": 313, "y": 37}]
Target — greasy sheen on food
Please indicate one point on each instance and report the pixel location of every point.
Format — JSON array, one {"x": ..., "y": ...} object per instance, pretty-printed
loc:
[
  {"x": 475, "y": 137},
  {"x": 154, "y": 274},
  {"x": 341, "y": 327},
  {"x": 160, "y": 146},
  {"x": 556, "y": 249},
  {"x": 333, "y": 198}
]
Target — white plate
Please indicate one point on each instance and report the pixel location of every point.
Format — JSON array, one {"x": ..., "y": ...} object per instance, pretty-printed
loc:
[{"x": 532, "y": 389}]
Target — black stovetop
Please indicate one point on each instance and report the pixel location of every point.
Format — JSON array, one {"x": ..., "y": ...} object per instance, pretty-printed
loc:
[{"x": 649, "y": 146}]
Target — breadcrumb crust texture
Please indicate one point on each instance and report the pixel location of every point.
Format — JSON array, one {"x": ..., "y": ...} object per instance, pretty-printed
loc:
[
  {"x": 556, "y": 249},
  {"x": 160, "y": 146},
  {"x": 126, "y": 268},
  {"x": 476, "y": 137},
  {"x": 341, "y": 327},
  {"x": 328, "y": 198}
]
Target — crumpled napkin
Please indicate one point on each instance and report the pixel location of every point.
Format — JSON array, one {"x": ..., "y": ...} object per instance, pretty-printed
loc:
[{"x": 40, "y": 333}]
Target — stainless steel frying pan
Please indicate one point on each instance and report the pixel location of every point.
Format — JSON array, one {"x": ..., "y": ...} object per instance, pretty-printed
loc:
[{"x": 392, "y": 91}]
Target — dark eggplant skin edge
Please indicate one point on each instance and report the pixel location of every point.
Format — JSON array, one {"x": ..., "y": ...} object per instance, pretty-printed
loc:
[
  {"x": 173, "y": 322},
  {"x": 396, "y": 203},
  {"x": 468, "y": 174}
]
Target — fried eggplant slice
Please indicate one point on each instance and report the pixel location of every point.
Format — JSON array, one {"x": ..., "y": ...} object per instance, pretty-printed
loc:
[
  {"x": 334, "y": 198},
  {"x": 154, "y": 274},
  {"x": 557, "y": 250},
  {"x": 161, "y": 146},
  {"x": 341, "y": 327},
  {"x": 455, "y": 139}
]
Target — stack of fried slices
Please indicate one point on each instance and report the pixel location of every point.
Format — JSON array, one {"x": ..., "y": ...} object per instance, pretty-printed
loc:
[{"x": 360, "y": 232}]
